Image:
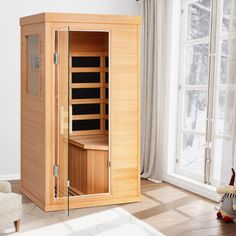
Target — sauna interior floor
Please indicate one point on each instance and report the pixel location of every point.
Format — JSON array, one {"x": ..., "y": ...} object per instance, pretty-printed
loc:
[{"x": 170, "y": 210}]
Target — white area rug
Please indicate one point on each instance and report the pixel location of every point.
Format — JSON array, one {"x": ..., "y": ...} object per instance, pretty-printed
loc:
[{"x": 111, "y": 222}]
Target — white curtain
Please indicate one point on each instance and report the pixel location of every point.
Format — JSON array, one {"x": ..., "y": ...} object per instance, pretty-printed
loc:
[
  {"x": 228, "y": 159},
  {"x": 153, "y": 88}
]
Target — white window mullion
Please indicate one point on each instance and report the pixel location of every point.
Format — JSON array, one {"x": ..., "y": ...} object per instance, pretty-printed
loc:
[
  {"x": 211, "y": 94},
  {"x": 181, "y": 82},
  {"x": 194, "y": 132},
  {"x": 194, "y": 87},
  {"x": 196, "y": 41}
]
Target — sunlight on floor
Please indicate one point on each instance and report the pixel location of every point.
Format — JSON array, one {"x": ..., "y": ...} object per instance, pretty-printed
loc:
[{"x": 112, "y": 222}]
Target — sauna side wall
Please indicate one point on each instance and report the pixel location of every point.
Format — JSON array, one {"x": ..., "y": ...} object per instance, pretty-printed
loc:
[{"x": 33, "y": 121}]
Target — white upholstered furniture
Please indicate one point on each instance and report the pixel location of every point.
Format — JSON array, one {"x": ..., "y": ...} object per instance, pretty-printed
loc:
[{"x": 10, "y": 205}]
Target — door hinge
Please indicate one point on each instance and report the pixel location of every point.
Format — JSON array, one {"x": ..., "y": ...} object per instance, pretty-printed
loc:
[
  {"x": 56, "y": 170},
  {"x": 56, "y": 58},
  {"x": 68, "y": 183},
  {"x": 182, "y": 11},
  {"x": 109, "y": 164},
  {"x": 177, "y": 160}
]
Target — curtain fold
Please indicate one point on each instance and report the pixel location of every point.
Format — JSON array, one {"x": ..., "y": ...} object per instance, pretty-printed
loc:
[
  {"x": 228, "y": 156},
  {"x": 153, "y": 88}
]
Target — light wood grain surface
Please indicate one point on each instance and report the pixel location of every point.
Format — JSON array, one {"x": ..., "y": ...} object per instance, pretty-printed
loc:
[
  {"x": 96, "y": 142},
  {"x": 86, "y": 18},
  {"x": 39, "y": 128}
]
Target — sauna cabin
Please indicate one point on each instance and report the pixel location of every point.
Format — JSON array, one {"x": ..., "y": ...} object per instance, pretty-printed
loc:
[{"x": 80, "y": 110}]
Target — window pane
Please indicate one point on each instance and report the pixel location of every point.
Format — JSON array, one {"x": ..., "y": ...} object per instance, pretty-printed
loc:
[
  {"x": 195, "y": 110},
  {"x": 33, "y": 64},
  {"x": 225, "y": 112},
  {"x": 198, "y": 19},
  {"x": 205, "y": 3},
  {"x": 196, "y": 65},
  {"x": 228, "y": 61},
  {"x": 193, "y": 153},
  {"x": 223, "y": 61}
]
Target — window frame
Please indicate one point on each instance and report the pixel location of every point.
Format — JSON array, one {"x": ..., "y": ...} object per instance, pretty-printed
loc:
[
  {"x": 215, "y": 39},
  {"x": 184, "y": 43}
]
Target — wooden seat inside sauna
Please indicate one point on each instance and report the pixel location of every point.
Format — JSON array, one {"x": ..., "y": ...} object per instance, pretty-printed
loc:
[
  {"x": 88, "y": 164},
  {"x": 92, "y": 142}
]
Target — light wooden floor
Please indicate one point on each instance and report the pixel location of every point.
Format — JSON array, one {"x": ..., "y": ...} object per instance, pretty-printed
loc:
[{"x": 173, "y": 211}]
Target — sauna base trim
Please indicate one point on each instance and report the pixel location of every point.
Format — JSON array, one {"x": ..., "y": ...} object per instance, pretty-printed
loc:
[
  {"x": 29, "y": 195},
  {"x": 104, "y": 202},
  {"x": 84, "y": 202}
]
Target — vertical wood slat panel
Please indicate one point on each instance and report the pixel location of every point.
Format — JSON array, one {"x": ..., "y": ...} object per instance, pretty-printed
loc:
[
  {"x": 89, "y": 170},
  {"x": 124, "y": 124}
]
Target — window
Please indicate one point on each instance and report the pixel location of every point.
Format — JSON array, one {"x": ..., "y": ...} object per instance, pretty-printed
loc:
[
  {"x": 204, "y": 88},
  {"x": 33, "y": 63}
]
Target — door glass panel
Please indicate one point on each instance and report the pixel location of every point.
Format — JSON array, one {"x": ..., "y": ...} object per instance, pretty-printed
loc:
[{"x": 89, "y": 101}]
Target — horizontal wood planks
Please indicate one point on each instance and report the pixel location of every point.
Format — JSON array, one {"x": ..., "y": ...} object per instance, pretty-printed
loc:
[
  {"x": 96, "y": 142},
  {"x": 124, "y": 124},
  {"x": 33, "y": 122},
  {"x": 69, "y": 18}
]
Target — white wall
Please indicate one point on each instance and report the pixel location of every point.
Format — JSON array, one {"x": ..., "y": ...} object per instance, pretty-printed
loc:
[{"x": 10, "y": 11}]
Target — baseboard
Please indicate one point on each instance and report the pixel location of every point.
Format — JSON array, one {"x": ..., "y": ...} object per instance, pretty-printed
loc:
[
  {"x": 10, "y": 177},
  {"x": 193, "y": 186}
]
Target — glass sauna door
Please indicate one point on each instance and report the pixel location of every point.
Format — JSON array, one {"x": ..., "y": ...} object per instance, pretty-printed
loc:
[
  {"x": 81, "y": 115},
  {"x": 89, "y": 114},
  {"x": 61, "y": 115}
]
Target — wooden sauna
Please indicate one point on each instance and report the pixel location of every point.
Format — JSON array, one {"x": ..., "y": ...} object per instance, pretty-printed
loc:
[{"x": 80, "y": 109}]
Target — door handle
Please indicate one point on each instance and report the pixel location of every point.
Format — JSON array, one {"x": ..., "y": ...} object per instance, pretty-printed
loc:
[{"x": 62, "y": 120}]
